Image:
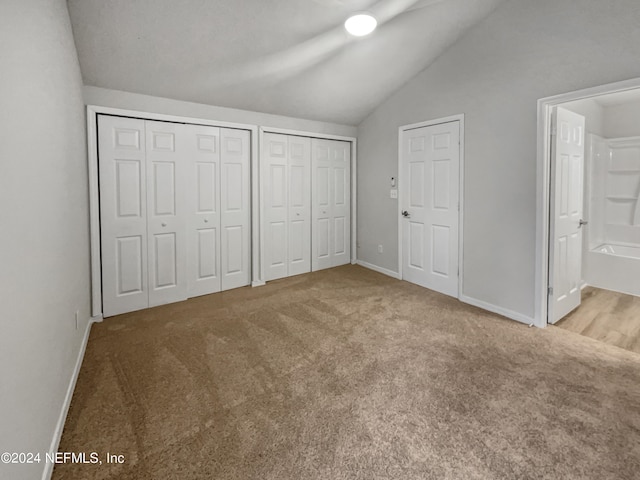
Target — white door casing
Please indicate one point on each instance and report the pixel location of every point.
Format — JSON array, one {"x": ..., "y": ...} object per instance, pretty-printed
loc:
[
  {"x": 167, "y": 164},
  {"x": 235, "y": 208},
  {"x": 123, "y": 214},
  {"x": 203, "y": 222},
  {"x": 331, "y": 200},
  {"x": 567, "y": 184},
  {"x": 430, "y": 199}
]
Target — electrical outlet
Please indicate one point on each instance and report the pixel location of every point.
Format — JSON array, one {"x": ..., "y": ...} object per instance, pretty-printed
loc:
[
  {"x": 77, "y": 318},
  {"x": 393, "y": 193},
  {"x": 380, "y": 249}
]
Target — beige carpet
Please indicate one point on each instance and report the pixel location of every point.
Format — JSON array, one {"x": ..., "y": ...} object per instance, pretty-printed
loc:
[{"x": 348, "y": 374}]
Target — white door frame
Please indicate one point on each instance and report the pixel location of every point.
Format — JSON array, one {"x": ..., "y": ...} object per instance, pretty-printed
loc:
[
  {"x": 543, "y": 185},
  {"x": 429, "y": 123},
  {"x": 94, "y": 191},
  {"x": 323, "y": 136}
]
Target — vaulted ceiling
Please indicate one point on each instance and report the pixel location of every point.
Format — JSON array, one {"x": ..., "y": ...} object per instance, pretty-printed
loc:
[{"x": 286, "y": 57}]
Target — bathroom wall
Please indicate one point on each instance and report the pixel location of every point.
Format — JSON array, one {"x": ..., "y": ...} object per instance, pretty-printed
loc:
[
  {"x": 622, "y": 190},
  {"x": 593, "y": 113},
  {"x": 595, "y": 168},
  {"x": 622, "y": 120}
]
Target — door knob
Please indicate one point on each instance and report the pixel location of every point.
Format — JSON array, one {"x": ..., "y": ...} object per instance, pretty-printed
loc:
[
  {"x": 581, "y": 223},
  {"x": 206, "y": 220},
  {"x": 164, "y": 224},
  {"x": 405, "y": 214}
]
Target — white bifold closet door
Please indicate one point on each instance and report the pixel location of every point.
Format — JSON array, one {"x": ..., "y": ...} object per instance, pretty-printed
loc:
[
  {"x": 174, "y": 211},
  {"x": 123, "y": 214},
  {"x": 166, "y": 228},
  {"x": 235, "y": 208},
  {"x": 287, "y": 184},
  {"x": 219, "y": 224},
  {"x": 331, "y": 203},
  {"x": 204, "y": 211}
]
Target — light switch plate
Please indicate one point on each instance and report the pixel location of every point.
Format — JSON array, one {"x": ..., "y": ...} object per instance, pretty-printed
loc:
[{"x": 393, "y": 193}]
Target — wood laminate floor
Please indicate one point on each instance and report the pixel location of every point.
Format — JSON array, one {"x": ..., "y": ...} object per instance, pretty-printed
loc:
[{"x": 607, "y": 316}]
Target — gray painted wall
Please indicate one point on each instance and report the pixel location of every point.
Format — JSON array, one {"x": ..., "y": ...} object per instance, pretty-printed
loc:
[
  {"x": 44, "y": 245},
  {"x": 494, "y": 75},
  {"x": 622, "y": 120},
  {"x": 146, "y": 103}
]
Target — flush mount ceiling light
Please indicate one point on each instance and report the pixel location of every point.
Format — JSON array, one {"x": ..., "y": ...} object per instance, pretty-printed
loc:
[{"x": 360, "y": 24}]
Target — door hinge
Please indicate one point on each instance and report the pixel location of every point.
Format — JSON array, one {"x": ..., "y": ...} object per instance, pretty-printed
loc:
[{"x": 550, "y": 290}]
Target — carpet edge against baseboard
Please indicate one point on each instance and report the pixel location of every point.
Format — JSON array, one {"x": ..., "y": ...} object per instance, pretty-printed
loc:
[
  {"x": 505, "y": 312},
  {"x": 57, "y": 433},
  {"x": 376, "y": 268}
]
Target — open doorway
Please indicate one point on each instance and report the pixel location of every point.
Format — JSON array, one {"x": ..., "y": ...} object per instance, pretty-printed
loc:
[{"x": 594, "y": 218}]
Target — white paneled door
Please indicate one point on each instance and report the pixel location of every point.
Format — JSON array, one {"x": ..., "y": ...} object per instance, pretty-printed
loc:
[
  {"x": 430, "y": 179},
  {"x": 123, "y": 214},
  {"x": 203, "y": 219},
  {"x": 566, "y": 213},
  {"x": 331, "y": 203},
  {"x": 167, "y": 157},
  {"x": 175, "y": 211},
  {"x": 274, "y": 181},
  {"x": 299, "y": 205},
  {"x": 235, "y": 208},
  {"x": 287, "y": 196}
]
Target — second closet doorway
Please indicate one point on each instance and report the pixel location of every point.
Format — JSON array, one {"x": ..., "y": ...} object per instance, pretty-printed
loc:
[{"x": 307, "y": 204}]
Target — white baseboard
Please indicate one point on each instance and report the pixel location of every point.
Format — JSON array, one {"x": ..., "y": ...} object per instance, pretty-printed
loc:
[
  {"x": 57, "y": 434},
  {"x": 378, "y": 269},
  {"x": 258, "y": 283},
  {"x": 518, "y": 317}
]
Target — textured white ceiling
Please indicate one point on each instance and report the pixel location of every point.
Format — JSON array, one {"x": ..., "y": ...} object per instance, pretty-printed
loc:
[{"x": 285, "y": 57}]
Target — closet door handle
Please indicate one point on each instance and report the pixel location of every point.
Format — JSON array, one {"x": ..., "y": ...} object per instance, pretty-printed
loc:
[{"x": 581, "y": 223}]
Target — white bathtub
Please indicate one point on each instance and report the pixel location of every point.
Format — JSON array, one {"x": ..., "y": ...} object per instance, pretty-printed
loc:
[{"x": 614, "y": 267}]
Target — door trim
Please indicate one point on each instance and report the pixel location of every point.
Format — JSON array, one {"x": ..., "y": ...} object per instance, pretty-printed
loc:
[
  {"x": 354, "y": 189},
  {"x": 429, "y": 123},
  {"x": 94, "y": 190},
  {"x": 543, "y": 186}
]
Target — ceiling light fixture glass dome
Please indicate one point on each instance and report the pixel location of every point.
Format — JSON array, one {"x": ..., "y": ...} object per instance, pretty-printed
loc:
[{"x": 360, "y": 24}]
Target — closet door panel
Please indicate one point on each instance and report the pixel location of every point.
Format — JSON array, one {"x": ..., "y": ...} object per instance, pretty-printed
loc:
[
  {"x": 235, "y": 208},
  {"x": 322, "y": 230},
  {"x": 275, "y": 179},
  {"x": 122, "y": 172},
  {"x": 331, "y": 193},
  {"x": 299, "y": 206},
  {"x": 341, "y": 205},
  {"x": 203, "y": 219},
  {"x": 166, "y": 159}
]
